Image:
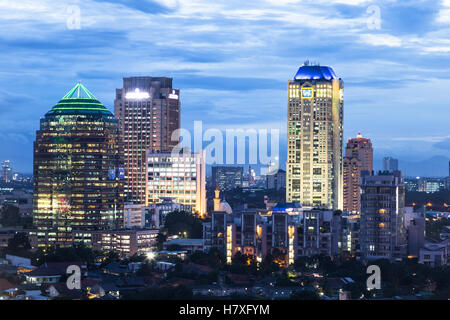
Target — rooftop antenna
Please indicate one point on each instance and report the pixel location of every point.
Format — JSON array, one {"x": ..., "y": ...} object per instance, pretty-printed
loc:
[{"x": 306, "y": 63}]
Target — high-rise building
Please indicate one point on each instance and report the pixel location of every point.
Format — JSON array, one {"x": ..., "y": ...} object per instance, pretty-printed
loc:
[
  {"x": 78, "y": 170},
  {"x": 411, "y": 184},
  {"x": 227, "y": 178},
  {"x": 431, "y": 185},
  {"x": 352, "y": 180},
  {"x": 358, "y": 161},
  {"x": 7, "y": 172},
  {"x": 148, "y": 110},
  {"x": 360, "y": 148},
  {"x": 383, "y": 234},
  {"x": 415, "y": 226},
  {"x": 315, "y": 128},
  {"x": 179, "y": 177},
  {"x": 390, "y": 164},
  {"x": 276, "y": 180}
]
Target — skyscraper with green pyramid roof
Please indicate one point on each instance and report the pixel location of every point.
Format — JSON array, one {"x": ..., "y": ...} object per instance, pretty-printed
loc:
[{"x": 78, "y": 170}]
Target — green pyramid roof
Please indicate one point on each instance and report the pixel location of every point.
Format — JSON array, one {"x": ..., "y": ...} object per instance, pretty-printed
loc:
[
  {"x": 79, "y": 92},
  {"x": 79, "y": 99}
]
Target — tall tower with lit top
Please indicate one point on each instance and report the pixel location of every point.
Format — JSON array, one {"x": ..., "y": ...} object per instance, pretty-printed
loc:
[
  {"x": 77, "y": 169},
  {"x": 148, "y": 111},
  {"x": 315, "y": 134}
]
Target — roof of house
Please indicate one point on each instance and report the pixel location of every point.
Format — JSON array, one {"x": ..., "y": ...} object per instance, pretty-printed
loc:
[
  {"x": 239, "y": 278},
  {"x": 5, "y": 285},
  {"x": 64, "y": 265},
  {"x": 63, "y": 291},
  {"x": 116, "y": 267},
  {"x": 44, "y": 272},
  {"x": 182, "y": 282},
  {"x": 193, "y": 267},
  {"x": 184, "y": 242},
  {"x": 89, "y": 282},
  {"x": 109, "y": 286},
  {"x": 135, "y": 281}
]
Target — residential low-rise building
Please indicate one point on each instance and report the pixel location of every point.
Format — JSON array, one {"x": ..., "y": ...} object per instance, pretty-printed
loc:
[
  {"x": 288, "y": 229},
  {"x": 156, "y": 213},
  {"x": 383, "y": 233},
  {"x": 435, "y": 254},
  {"x": 133, "y": 216},
  {"x": 126, "y": 242}
]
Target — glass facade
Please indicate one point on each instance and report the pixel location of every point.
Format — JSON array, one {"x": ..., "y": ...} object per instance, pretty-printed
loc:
[
  {"x": 180, "y": 178},
  {"x": 77, "y": 169}
]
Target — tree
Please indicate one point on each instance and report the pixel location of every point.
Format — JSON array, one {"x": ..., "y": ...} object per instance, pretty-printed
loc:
[
  {"x": 284, "y": 281},
  {"x": 304, "y": 295},
  {"x": 146, "y": 269},
  {"x": 160, "y": 239},
  {"x": 356, "y": 289},
  {"x": 185, "y": 224},
  {"x": 161, "y": 293},
  {"x": 10, "y": 216},
  {"x": 110, "y": 256},
  {"x": 279, "y": 257},
  {"x": 242, "y": 263},
  {"x": 268, "y": 265},
  {"x": 74, "y": 253},
  {"x": 433, "y": 228},
  {"x": 138, "y": 257},
  {"x": 301, "y": 264},
  {"x": 214, "y": 258},
  {"x": 174, "y": 247},
  {"x": 19, "y": 243}
]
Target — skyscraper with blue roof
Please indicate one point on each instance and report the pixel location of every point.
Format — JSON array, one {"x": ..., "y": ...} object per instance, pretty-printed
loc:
[{"x": 315, "y": 137}]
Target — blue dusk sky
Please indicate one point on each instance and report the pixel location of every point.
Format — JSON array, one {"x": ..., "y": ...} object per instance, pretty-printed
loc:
[{"x": 232, "y": 60}]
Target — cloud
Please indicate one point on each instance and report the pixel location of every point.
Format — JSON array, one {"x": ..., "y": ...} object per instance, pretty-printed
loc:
[
  {"x": 66, "y": 41},
  {"x": 232, "y": 59},
  {"x": 190, "y": 81},
  {"x": 146, "y": 6},
  {"x": 381, "y": 40},
  {"x": 444, "y": 144}
]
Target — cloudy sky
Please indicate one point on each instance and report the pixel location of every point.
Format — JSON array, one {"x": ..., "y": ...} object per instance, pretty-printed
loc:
[{"x": 232, "y": 59}]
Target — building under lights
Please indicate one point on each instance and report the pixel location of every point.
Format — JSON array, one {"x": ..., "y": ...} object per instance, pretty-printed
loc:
[
  {"x": 7, "y": 172},
  {"x": 179, "y": 177},
  {"x": 390, "y": 164},
  {"x": 382, "y": 225},
  {"x": 77, "y": 170},
  {"x": 148, "y": 110},
  {"x": 288, "y": 228},
  {"x": 227, "y": 178},
  {"x": 358, "y": 161},
  {"x": 315, "y": 128},
  {"x": 126, "y": 242}
]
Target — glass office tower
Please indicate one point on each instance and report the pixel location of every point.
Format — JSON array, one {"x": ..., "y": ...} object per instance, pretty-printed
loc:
[{"x": 78, "y": 171}]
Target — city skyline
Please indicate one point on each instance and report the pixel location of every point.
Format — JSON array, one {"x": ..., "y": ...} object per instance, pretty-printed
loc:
[{"x": 217, "y": 79}]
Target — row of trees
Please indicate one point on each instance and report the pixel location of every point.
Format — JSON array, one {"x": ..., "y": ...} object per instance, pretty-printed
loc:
[{"x": 437, "y": 199}]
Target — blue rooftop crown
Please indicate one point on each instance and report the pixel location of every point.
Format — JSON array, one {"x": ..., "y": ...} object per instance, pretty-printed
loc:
[{"x": 307, "y": 72}]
